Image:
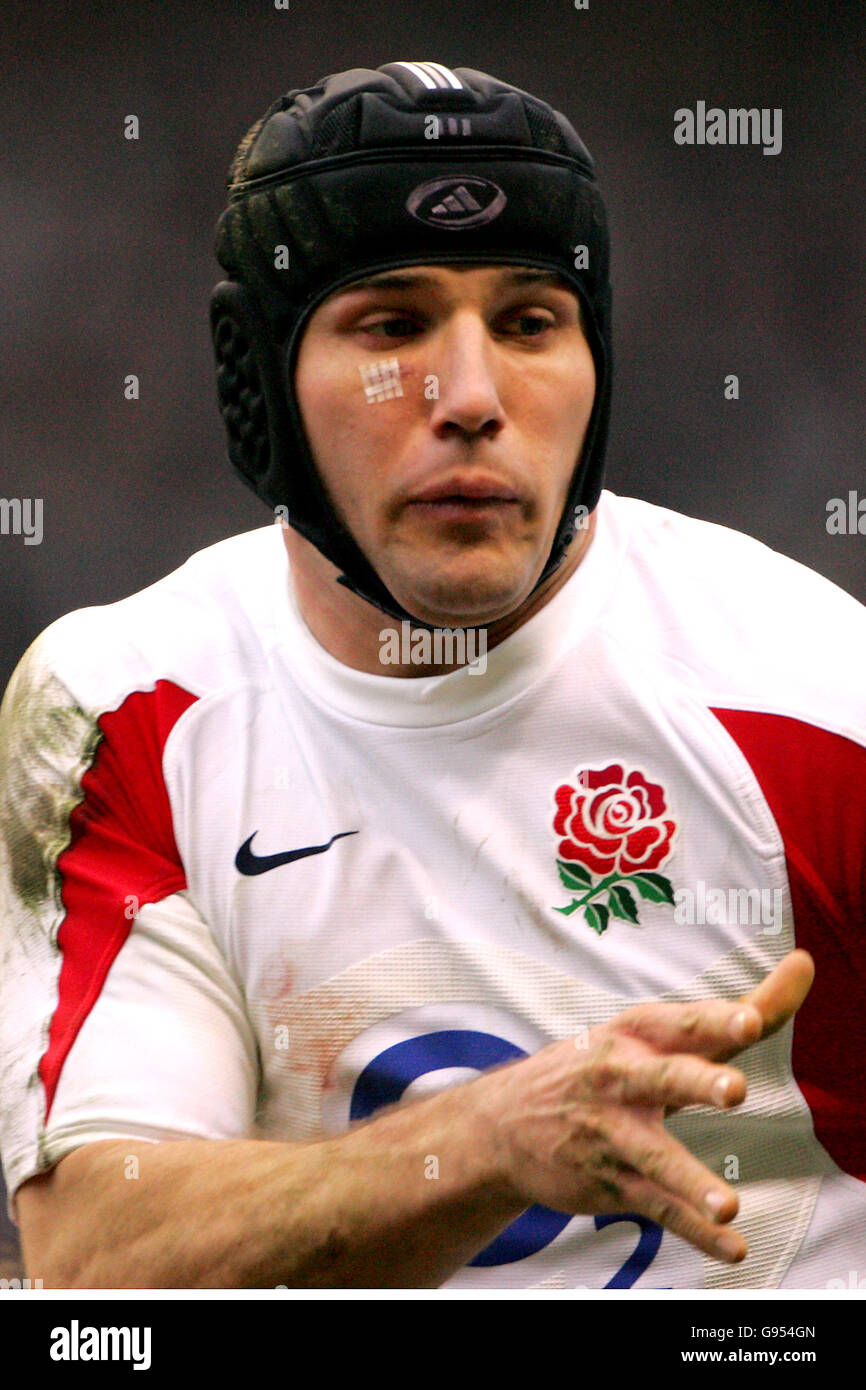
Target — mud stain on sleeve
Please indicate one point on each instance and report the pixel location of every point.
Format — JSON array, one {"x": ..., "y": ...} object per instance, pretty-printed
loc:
[{"x": 47, "y": 743}]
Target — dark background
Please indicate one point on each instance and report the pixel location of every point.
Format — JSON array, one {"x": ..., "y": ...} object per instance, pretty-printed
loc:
[{"x": 724, "y": 260}]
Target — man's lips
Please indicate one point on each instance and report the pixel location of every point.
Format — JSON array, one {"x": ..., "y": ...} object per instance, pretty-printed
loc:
[{"x": 473, "y": 490}]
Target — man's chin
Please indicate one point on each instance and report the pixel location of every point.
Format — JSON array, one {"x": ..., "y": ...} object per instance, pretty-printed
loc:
[{"x": 473, "y": 602}]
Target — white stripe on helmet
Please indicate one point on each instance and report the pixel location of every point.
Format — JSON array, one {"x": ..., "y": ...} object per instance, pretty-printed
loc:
[
  {"x": 439, "y": 70},
  {"x": 418, "y": 71}
]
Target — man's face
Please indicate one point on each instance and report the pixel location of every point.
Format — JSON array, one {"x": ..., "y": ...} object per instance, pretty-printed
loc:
[{"x": 454, "y": 490}]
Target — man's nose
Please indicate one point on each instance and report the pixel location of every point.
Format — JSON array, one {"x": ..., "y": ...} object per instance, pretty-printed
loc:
[{"x": 464, "y": 367}]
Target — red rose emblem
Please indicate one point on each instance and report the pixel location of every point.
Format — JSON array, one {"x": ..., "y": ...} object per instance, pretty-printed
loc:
[{"x": 611, "y": 822}]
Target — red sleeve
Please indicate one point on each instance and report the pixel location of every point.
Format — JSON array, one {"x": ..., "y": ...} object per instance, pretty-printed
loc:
[
  {"x": 815, "y": 785},
  {"x": 121, "y": 855}
]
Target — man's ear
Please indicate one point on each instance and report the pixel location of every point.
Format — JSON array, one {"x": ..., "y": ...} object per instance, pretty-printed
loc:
[{"x": 250, "y": 391}]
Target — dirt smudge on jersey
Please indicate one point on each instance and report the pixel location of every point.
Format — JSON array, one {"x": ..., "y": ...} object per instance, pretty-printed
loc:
[{"x": 47, "y": 742}]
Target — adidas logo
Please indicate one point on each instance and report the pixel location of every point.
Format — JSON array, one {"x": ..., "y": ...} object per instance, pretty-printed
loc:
[{"x": 456, "y": 202}]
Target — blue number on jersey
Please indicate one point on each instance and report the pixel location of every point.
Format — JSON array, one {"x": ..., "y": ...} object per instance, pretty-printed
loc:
[{"x": 386, "y": 1077}]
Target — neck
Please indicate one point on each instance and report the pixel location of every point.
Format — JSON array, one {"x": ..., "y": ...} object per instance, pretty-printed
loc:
[{"x": 350, "y": 628}]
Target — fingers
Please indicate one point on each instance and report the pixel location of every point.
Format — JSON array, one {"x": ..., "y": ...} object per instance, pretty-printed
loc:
[
  {"x": 646, "y": 1150},
  {"x": 670, "y": 1186},
  {"x": 684, "y": 1218},
  {"x": 672, "y": 1081},
  {"x": 719, "y": 1028},
  {"x": 664, "y": 1181},
  {"x": 711, "y": 1027},
  {"x": 780, "y": 994}
]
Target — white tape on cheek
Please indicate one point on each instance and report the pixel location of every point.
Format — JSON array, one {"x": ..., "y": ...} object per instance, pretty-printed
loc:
[{"x": 382, "y": 380}]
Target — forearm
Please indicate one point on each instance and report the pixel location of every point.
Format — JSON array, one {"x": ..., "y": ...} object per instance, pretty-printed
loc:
[{"x": 402, "y": 1201}]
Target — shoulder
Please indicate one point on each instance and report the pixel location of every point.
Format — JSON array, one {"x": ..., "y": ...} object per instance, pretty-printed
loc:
[
  {"x": 92, "y": 703},
  {"x": 670, "y": 543},
  {"x": 741, "y": 623},
  {"x": 203, "y": 627}
]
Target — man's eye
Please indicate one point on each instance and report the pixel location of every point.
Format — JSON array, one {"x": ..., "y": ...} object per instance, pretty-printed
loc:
[
  {"x": 397, "y": 326},
  {"x": 531, "y": 325}
]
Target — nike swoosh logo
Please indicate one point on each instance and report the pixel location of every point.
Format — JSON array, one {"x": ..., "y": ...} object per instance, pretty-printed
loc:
[{"x": 248, "y": 863}]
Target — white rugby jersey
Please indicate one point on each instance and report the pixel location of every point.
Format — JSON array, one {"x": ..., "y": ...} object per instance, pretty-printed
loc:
[{"x": 248, "y": 890}]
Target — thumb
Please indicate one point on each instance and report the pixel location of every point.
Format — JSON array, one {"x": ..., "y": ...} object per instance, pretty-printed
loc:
[{"x": 780, "y": 994}]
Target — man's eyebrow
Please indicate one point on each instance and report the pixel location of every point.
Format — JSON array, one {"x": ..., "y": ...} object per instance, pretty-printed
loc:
[
  {"x": 530, "y": 277},
  {"x": 411, "y": 280}
]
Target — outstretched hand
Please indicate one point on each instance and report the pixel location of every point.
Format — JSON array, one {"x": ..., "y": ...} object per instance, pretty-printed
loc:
[{"x": 579, "y": 1126}]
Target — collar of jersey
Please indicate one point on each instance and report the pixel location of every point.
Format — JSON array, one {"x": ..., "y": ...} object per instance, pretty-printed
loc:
[{"x": 517, "y": 663}]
